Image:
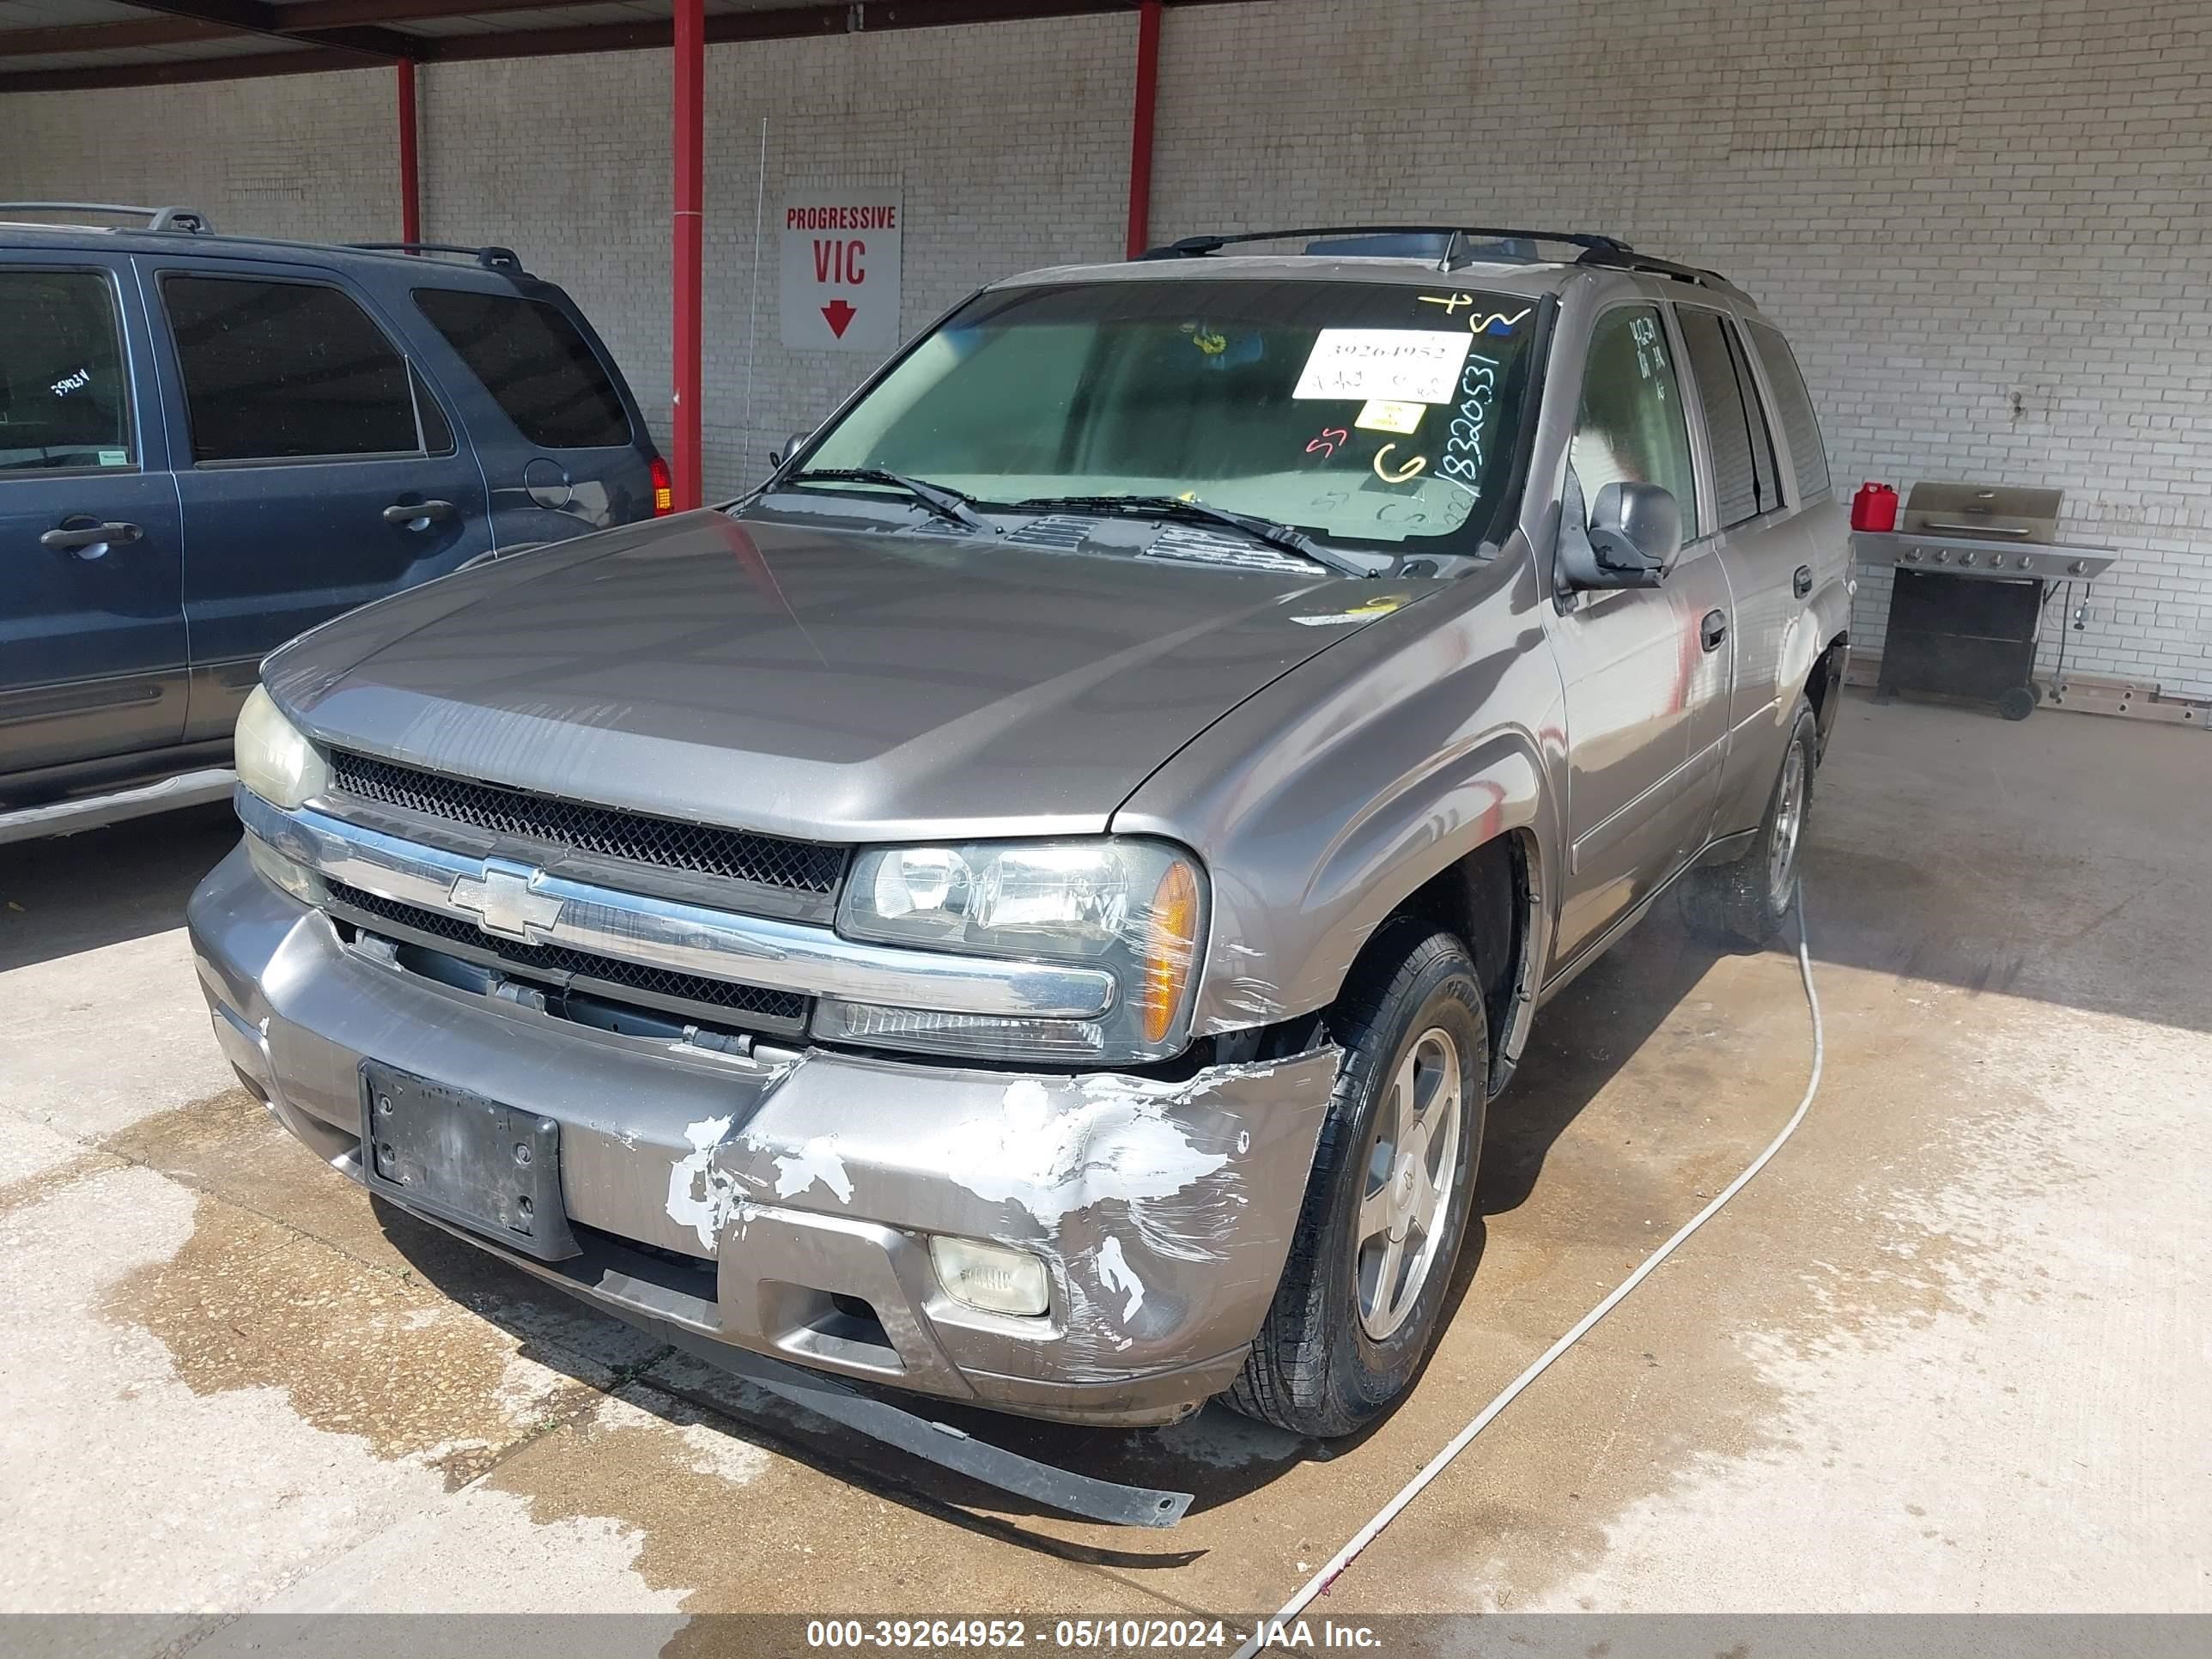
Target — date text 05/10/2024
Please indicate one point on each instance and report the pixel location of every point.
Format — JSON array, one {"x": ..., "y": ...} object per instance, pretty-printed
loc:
[{"x": 1085, "y": 1635}]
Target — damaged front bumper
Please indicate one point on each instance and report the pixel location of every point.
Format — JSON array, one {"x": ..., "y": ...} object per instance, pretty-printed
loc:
[{"x": 778, "y": 1194}]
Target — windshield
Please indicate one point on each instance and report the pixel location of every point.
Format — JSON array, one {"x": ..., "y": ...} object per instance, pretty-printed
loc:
[{"x": 1379, "y": 415}]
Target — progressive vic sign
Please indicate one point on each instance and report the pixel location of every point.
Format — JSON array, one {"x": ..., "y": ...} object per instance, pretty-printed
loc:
[{"x": 840, "y": 291}]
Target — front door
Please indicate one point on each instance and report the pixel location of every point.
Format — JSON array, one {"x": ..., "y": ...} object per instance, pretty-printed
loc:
[
  {"x": 1638, "y": 673},
  {"x": 92, "y": 631},
  {"x": 316, "y": 467}
]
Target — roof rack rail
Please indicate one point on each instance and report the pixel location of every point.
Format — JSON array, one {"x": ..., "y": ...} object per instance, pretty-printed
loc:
[
  {"x": 491, "y": 259},
  {"x": 189, "y": 220},
  {"x": 1192, "y": 248},
  {"x": 1609, "y": 252},
  {"x": 1626, "y": 258}
]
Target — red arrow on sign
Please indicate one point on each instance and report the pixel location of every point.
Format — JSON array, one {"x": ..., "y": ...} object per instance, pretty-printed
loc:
[{"x": 839, "y": 315}]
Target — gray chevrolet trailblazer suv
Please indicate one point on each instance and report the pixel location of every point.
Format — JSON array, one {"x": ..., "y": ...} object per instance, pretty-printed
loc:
[{"x": 1031, "y": 905}]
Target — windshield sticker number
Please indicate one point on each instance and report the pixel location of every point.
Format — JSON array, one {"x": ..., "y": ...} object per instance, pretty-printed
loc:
[
  {"x": 1380, "y": 415},
  {"x": 1463, "y": 447},
  {"x": 1397, "y": 365}
]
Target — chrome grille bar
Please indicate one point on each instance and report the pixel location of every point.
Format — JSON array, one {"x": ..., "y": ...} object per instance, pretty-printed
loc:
[{"x": 514, "y": 902}]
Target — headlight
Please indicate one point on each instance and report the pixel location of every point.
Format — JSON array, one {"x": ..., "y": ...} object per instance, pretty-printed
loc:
[
  {"x": 273, "y": 759},
  {"x": 1135, "y": 907}
]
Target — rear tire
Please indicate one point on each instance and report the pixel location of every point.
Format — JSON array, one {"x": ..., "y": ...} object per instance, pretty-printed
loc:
[
  {"x": 1743, "y": 905},
  {"x": 1356, "y": 1310}
]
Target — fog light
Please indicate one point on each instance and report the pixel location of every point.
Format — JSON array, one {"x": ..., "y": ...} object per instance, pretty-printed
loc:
[{"x": 990, "y": 1277}]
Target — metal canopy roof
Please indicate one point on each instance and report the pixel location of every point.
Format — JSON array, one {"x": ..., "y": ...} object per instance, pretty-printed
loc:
[{"x": 54, "y": 46}]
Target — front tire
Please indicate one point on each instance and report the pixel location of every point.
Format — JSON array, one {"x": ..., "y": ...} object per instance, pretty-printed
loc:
[
  {"x": 1744, "y": 904},
  {"x": 1393, "y": 1184}
]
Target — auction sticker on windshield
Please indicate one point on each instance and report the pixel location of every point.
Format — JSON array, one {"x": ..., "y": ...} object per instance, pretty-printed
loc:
[{"x": 1395, "y": 365}]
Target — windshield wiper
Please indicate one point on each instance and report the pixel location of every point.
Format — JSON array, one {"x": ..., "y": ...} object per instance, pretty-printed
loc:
[
  {"x": 948, "y": 504},
  {"x": 1289, "y": 538}
]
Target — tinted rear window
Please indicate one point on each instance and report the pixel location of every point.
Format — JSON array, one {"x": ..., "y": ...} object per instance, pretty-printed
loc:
[
  {"x": 534, "y": 363},
  {"x": 1744, "y": 483},
  {"x": 283, "y": 370},
  {"x": 1808, "y": 458}
]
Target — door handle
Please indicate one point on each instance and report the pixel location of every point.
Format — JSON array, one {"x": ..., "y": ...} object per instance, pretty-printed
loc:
[
  {"x": 419, "y": 515},
  {"x": 1801, "y": 581},
  {"x": 1712, "y": 630},
  {"x": 88, "y": 540}
]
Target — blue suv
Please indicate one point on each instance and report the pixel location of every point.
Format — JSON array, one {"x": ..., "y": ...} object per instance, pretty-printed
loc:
[{"x": 210, "y": 443}]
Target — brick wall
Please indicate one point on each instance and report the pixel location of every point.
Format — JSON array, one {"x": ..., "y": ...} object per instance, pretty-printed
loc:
[
  {"x": 1984, "y": 222},
  {"x": 307, "y": 156}
]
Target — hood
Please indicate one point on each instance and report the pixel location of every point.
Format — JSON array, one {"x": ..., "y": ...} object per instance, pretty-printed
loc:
[{"x": 827, "y": 683}]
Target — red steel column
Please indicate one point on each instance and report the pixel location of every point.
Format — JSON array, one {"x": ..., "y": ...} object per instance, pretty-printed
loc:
[
  {"x": 410, "y": 177},
  {"x": 690, "y": 105},
  {"x": 1140, "y": 137}
]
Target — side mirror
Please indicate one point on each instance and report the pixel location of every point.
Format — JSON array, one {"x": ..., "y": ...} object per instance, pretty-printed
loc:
[
  {"x": 1634, "y": 533},
  {"x": 784, "y": 451}
]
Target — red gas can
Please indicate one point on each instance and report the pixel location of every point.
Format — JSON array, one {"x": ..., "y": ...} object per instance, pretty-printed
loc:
[{"x": 1874, "y": 507}]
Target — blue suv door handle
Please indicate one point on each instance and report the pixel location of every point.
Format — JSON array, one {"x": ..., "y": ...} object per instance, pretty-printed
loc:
[
  {"x": 87, "y": 539},
  {"x": 419, "y": 515}
]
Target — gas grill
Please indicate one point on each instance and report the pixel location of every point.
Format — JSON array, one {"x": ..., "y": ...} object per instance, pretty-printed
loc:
[{"x": 1976, "y": 566}]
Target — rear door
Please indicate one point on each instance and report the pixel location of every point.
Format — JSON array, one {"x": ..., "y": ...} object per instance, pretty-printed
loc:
[
  {"x": 1760, "y": 547},
  {"x": 562, "y": 447},
  {"x": 92, "y": 633},
  {"x": 317, "y": 465}
]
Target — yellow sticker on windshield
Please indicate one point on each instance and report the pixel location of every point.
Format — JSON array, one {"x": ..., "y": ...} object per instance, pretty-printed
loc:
[{"x": 1382, "y": 415}]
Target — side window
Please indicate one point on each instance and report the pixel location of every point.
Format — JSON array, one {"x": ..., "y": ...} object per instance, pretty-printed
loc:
[
  {"x": 284, "y": 371},
  {"x": 65, "y": 385},
  {"x": 1630, "y": 428},
  {"x": 1745, "y": 481},
  {"x": 534, "y": 363},
  {"x": 1756, "y": 417},
  {"x": 1808, "y": 457}
]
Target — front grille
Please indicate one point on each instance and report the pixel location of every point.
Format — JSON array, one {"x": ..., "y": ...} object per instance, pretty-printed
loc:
[
  {"x": 799, "y": 866},
  {"x": 785, "y": 1007}
]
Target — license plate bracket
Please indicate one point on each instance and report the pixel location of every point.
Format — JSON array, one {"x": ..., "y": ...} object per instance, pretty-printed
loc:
[{"x": 480, "y": 1163}]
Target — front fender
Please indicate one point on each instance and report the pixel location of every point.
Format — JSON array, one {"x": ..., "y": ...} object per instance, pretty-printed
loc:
[{"x": 1321, "y": 804}]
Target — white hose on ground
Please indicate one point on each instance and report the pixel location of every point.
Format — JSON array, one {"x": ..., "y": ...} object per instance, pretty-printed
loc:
[{"x": 1482, "y": 1420}]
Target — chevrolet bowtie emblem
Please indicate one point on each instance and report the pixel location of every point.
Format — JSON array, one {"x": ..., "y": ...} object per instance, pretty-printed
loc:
[{"x": 502, "y": 902}]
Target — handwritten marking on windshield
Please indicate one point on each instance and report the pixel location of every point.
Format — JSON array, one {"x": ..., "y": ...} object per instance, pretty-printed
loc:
[
  {"x": 1493, "y": 322},
  {"x": 1331, "y": 436},
  {"x": 1463, "y": 447},
  {"x": 1412, "y": 469}
]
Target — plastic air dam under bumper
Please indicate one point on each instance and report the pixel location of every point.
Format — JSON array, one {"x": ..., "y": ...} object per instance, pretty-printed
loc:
[{"x": 1162, "y": 1211}]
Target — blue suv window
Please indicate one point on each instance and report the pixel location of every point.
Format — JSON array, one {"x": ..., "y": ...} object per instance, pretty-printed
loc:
[
  {"x": 534, "y": 363},
  {"x": 64, "y": 394},
  {"x": 285, "y": 371}
]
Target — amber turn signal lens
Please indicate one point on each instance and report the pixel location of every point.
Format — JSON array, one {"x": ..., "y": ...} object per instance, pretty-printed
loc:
[{"x": 1170, "y": 940}]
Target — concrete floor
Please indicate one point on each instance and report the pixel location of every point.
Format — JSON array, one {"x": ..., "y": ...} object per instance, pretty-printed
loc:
[{"x": 1946, "y": 1353}]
